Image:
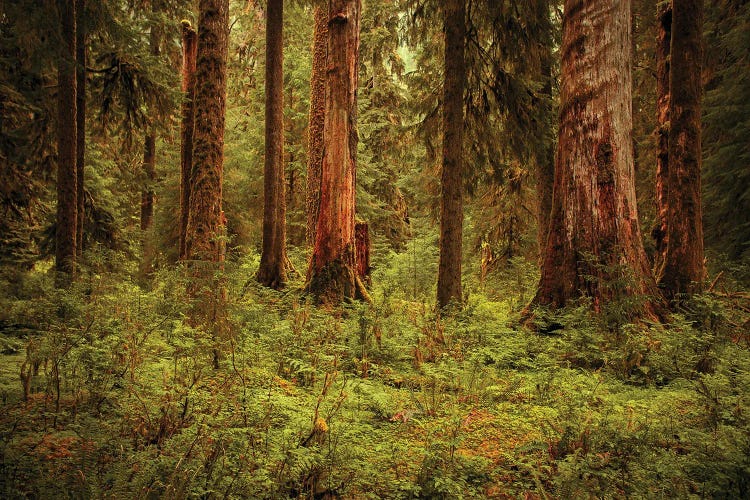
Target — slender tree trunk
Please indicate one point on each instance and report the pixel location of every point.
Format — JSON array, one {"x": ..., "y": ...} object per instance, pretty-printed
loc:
[
  {"x": 67, "y": 203},
  {"x": 206, "y": 222},
  {"x": 362, "y": 239},
  {"x": 332, "y": 273},
  {"x": 545, "y": 165},
  {"x": 149, "y": 169},
  {"x": 317, "y": 119},
  {"x": 272, "y": 271},
  {"x": 684, "y": 266},
  {"x": 80, "y": 121},
  {"x": 594, "y": 247},
  {"x": 663, "y": 44},
  {"x": 451, "y": 208},
  {"x": 189, "y": 55},
  {"x": 149, "y": 149}
]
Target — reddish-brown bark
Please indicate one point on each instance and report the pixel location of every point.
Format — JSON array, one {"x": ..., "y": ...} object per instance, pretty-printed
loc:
[
  {"x": 362, "y": 240},
  {"x": 663, "y": 44},
  {"x": 67, "y": 203},
  {"x": 331, "y": 274},
  {"x": 80, "y": 121},
  {"x": 189, "y": 56},
  {"x": 545, "y": 164},
  {"x": 451, "y": 207},
  {"x": 317, "y": 119},
  {"x": 205, "y": 232},
  {"x": 684, "y": 267},
  {"x": 272, "y": 271},
  {"x": 594, "y": 246}
]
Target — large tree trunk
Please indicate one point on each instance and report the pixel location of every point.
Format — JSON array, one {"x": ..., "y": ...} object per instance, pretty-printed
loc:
[
  {"x": 206, "y": 223},
  {"x": 80, "y": 121},
  {"x": 594, "y": 247},
  {"x": 272, "y": 271},
  {"x": 331, "y": 275},
  {"x": 317, "y": 119},
  {"x": 663, "y": 44},
  {"x": 149, "y": 150},
  {"x": 67, "y": 203},
  {"x": 684, "y": 266},
  {"x": 189, "y": 56},
  {"x": 451, "y": 207}
]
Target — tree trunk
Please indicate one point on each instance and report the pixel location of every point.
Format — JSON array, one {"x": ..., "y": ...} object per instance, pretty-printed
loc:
[
  {"x": 545, "y": 165},
  {"x": 331, "y": 275},
  {"x": 684, "y": 266},
  {"x": 451, "y": 207},
  {"x": 149, "y": 149},
  {"x": 317, "y": 119},
  {"x": 594, "y": 247},
  {"x": 272, "y": 272},
  {"x": 67, "y": 203},
  {"x": 80, "y": 122},
  {"x": 206, "y": 223},
  {"x": 362, "y": 240},
  {"x": 663, "y": 44},
  {"x": 189, "y": 55},
  {"x": 205, "y": 232}
]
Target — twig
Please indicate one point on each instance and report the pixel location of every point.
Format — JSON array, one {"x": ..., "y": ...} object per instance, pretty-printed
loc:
[{"x": 716, "y": 280}]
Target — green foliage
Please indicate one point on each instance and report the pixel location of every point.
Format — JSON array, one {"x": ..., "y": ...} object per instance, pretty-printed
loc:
[
  {"x": 122, "y": 396},
  {"x": 727, "y": 120},
  {"x": 108, "y": 390}
]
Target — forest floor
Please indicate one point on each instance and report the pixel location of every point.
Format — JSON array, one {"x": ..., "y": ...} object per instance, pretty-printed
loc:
[{"x": 382, "y": 400}]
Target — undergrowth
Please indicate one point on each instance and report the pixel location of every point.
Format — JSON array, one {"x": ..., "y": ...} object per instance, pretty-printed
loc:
[{"x": 107, "y": 391}]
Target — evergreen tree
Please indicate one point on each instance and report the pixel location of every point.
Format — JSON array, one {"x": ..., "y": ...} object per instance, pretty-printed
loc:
[
  {"x": 451, "y": 207},
  {"x": 67, "y": 204},
  {"x": 81, "y": 59},
  {"x": 205, "y": 240},
  {"x": 331, "y": 274},
  {"x": 187, "y": 127},
  {"x": 595, "y": 240},
  {"x": 272, "y": 272},
  {"x": 684, "y": 265},
  {"x": 317, "y": 120},
  {"x": 663, "y": 48}
]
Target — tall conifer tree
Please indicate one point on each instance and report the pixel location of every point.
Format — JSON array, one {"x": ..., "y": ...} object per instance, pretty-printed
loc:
[
  {"x": 451, "y": 207},
  {"x": 67, "y": 203},
  {"x": 331, "y": 274},
  {"x": 595, "y": 239},
  {"x": 272, "y": 272}
]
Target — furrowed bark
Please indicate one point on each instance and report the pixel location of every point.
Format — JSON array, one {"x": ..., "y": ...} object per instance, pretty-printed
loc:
[
  {"x": 451, "y": 207},
  {"x": 594, "y": 247},
  {"x": 317, "y": 120},
  {"x": 684, "y": 262},
  {"x": 362, "y": 239},
  {"x": 205, "y": 241},
  {"x": 189, "y": 56},
  {"x": 331, "y": 274},
  {"x": 272, "y": 271},
  {"x": 545, "y": 165}
]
